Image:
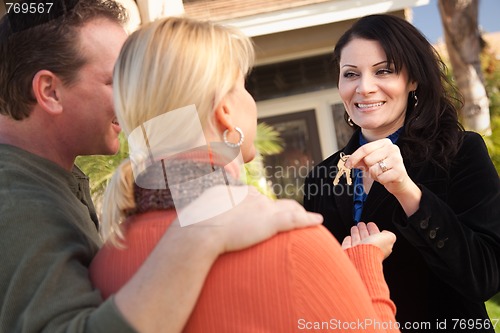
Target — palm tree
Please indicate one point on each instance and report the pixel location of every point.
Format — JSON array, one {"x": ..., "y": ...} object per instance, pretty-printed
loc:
[{"x": 464, "y": 43}]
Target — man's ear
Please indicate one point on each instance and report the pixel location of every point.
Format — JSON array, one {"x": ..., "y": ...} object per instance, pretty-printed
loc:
[
  {"x": 46, "y": 88},
  {"x": 223, "y": 116}
]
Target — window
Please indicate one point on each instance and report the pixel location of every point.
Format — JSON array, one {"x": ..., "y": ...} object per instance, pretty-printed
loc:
[
  {"x": 291, "y": 77},
  {"x": 287, "y": 171}
]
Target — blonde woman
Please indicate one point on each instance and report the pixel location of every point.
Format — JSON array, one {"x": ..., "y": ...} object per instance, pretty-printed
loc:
[{"x": 178, "y": 66}]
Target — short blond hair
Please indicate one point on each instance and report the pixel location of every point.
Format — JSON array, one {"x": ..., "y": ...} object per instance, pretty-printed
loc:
[
  {"x": 118, "y": 200},
  {"x": 174, "y": 62}
]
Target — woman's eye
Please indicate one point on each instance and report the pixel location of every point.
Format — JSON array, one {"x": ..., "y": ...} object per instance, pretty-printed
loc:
[
  {"x": 349, "y": 74},
  {"x": 384, "y": 71}
]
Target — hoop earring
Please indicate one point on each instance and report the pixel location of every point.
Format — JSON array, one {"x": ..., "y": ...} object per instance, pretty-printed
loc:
[
  {"x": 350, "y": 122},
  {"x": 230, "y": 144}
]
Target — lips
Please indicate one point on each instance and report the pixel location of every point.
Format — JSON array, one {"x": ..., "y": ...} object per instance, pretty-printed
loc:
[
  {"x": 116, "y": 125},
  {"x": 368, "y": 105}
]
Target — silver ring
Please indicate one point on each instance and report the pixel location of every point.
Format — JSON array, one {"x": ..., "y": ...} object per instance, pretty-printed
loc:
[{"x": 382, "y": 166}]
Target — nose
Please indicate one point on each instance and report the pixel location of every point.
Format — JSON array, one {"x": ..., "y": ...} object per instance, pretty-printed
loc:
[{"x": 366, "y": 85}]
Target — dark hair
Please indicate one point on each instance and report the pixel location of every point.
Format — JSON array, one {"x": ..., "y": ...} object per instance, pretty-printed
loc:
[
  {"x": 33, "y": 42},
  {"x": 432, "y": 131}
]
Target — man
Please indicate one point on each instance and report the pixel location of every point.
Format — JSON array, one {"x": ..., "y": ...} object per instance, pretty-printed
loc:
[{"x": 56, "y": 104}]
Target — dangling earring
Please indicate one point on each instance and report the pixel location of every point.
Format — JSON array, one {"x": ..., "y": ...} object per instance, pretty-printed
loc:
[
  {"x": 415, "y": 98},
  {"x": 230, "y": 144},
  {"x": 350, "y": 122}
]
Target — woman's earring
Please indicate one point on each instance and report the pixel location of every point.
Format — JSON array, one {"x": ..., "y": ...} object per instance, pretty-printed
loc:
[
  {"x": 230, "y": 144},
  {"x": 350, "y": 122},
  {"x": 415, "y": 98}
]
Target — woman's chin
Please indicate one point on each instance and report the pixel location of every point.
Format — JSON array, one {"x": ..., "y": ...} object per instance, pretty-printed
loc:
[{"x": 248, "y": 156}]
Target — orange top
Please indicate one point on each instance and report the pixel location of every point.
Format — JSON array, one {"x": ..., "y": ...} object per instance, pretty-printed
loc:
[{"x": 299, "y": 280}]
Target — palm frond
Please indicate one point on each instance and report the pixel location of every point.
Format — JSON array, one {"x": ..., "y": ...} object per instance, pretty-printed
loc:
[
  {"x": 100, "y": 168},
  {"x": 268, "y": 140}
]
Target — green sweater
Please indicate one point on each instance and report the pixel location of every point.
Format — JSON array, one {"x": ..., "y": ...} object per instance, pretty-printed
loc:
[{"x": 48, "y": 237}]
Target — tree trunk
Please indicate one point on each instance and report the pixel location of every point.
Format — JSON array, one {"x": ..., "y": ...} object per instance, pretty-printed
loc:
[{"x": 463, "y": 42}]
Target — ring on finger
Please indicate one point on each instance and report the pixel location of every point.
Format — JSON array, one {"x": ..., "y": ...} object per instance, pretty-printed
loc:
[{"x": 382, "y": 166}]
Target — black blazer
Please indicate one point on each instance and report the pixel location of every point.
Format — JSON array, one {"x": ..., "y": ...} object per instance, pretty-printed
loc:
[{"x": 446, "y": 260}]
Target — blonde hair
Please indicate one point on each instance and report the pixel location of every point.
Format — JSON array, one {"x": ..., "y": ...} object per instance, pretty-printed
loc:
[
  {"x": 165, "y": 65},
  {"x": 175, "y": 62},
  {"x": 117, "y": 201}
]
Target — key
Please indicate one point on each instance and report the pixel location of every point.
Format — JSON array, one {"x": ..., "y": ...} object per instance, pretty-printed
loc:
[{"x": 343, "y": 170}]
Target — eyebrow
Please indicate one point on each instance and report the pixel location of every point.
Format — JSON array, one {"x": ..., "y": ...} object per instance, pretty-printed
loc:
[{"x": 375, "y": 65}]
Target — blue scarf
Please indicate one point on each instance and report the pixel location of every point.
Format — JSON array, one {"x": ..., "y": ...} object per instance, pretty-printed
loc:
[{"x": 360, "y": 195}]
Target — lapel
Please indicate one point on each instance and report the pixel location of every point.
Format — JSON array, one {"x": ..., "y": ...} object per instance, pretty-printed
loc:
[
  {"x": 376, "y": 200},
  {"x": 380, "y": 200}
]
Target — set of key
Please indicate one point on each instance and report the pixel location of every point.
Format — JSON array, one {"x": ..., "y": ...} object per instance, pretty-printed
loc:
[{"x": 343, "y": 170}]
